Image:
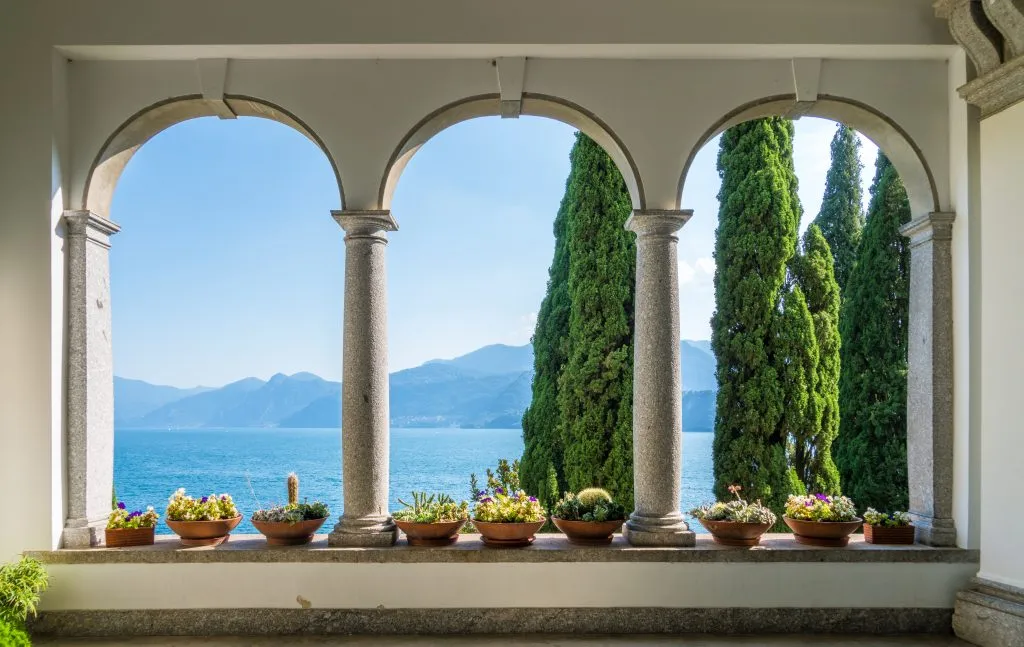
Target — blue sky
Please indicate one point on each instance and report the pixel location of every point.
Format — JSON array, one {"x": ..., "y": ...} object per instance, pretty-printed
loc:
[{"x": 229, "y": 264}]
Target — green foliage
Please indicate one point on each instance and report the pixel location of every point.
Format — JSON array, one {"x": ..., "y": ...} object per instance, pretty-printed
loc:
[
  {"x": 841, "y": 217},
  {"x": 821, "y": 507},
  {"x": 873, "y": 517},
  {"x": 12, "y": 635},
  {"x": 737, "y": 511},
  {"x": 577, "y": 507},
  {"x": 432, "y": 508},
  {"x": 502, "y": 501},
  {"x": 21, "y": 584},
  {"x": 595, "y": 388},
  {"x": 756, "y": 237},
  {"x": 548, "y": 493},
  {"x": 811, "y": 448},
  {"x": 871, "y": 450}
]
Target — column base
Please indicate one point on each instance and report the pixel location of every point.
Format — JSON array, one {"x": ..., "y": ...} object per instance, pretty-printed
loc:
[
  {"x": 83, "y": 533},
  {"x": 990, "y": 614},
  {"x": 931, "y": 531},
  {"x": 365, "y": 533},
  {"x": 658, "y": 531}
]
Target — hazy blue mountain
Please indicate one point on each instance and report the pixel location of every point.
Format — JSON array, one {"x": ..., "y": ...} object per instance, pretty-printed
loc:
[
  {"x": 495, "y": 359},
  {"x": 135, "y": 398},
  {"x": 698, "y": 366},
  {"x": 699, "y": 410},
  {"x": 201, "y": 409}
]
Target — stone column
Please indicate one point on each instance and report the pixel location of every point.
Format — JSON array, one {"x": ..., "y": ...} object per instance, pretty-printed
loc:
[
  {"x": 930, "y": 378},
  {"x": 365, "y": 433},
  {"x": 90, "y": 379},
  {"x": 657, "y": 384}
]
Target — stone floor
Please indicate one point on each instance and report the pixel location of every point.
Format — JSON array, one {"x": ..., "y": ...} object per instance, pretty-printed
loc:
[{"x": 527, "y": 641}]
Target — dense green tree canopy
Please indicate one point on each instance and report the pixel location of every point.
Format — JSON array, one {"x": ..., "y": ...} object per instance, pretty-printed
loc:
[{"x": 841, "y": 218}]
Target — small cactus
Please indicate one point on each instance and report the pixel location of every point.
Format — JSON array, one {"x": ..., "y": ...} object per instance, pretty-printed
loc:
[
  {"x": 592, "y": 495},
  {"x": 293, "y": 489}
]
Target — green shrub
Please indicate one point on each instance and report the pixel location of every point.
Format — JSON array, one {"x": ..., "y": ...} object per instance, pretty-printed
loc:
[
  {"x": 20, "y": 586},
  {"x": 12, "y": 635}
]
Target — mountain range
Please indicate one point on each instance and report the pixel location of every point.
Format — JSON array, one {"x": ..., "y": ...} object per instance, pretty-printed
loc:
[{"x": 487, "y": 388}]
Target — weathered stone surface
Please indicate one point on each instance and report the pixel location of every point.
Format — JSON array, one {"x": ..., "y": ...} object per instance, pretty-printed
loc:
[
  {"x": 552, "y": 548},
  {"x": 657, "y": 388},
  {"x": 632, "y": 620},
  {"x": 990, "y": 614},
  {"x": 365, "y": 437},
  {"x": 90, "y": 379},
  {"x": 930, "y": 378}
]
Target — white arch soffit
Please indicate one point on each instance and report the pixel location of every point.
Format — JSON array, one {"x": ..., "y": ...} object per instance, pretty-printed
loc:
[
  {"x": 884, "y": 133},
  {"x": 119, "y": 148},
  {"x": 489, "y": 106}
]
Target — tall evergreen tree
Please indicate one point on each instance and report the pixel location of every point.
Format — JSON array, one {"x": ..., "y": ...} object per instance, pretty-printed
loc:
[
  {"x": 595, "y": 390},
  {"x": 801, "y": 413},
  {"x": 871, "y": 450},
  {"x": 812, "y": 452},
  {"x": 841, "y": 218},
  {"x": 757, "y": 232}
]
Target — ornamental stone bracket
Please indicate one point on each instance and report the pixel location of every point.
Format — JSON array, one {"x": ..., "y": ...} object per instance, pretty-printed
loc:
[
  {"x": 90, "y": 379},
  {"x": 992, "y": 33}
]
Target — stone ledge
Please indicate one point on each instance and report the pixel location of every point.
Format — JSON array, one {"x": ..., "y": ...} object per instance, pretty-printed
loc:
[{"x": 774, "y": 548}]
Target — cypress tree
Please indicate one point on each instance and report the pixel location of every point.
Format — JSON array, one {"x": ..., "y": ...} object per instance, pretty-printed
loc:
[
  {"x": 595, "y": 389},
  {"x": 841, "y": 217},
  {"x": 756, "y": 238},
  {"x": 812, "y": 454},
  {"x": 801, "y": 413},
  {"x": 871, "y": 450}
]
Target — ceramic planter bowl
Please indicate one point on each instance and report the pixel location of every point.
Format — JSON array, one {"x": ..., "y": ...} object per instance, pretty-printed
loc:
[
  {"x": 440, "y": 533},
  {"x": 122, "y": 537},
  {"x": 204, "y": 533},
  {"x": 888, "y": 534},
  {"x": 508, "y": 535},
  {"x": 588, "y": 533},
  {"x": 736, "y": 533},
  {"x": 830, "y": 534},
  {"x": 282, "y": 533}
]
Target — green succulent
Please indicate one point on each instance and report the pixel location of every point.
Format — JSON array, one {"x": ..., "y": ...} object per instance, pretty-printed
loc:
[
  {"x": 432, "y": 508},
  {"x": 596, "y": 506}
]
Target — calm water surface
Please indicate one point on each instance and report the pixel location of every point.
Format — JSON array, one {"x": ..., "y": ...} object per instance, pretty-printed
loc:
[{"x": 150, "y": 464}]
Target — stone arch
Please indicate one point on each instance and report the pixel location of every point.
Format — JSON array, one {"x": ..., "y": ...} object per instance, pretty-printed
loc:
[
  {"x": 123, "y": 143},
  {"x": 486, "y": 105},
  {"x": 890, "y": 138}
]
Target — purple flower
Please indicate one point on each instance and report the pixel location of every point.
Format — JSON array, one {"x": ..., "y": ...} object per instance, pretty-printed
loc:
[
  {"x": 498, "y": 490},
  {"x": 808, "y": 504},
  {"x": 486, "y": 499},
  {"x": 481, "y": 493},
  {"x": 821, "y": 497},
  {"x": 120, "y": 505},
  {"x": 203, "y": 500},
  {"x": 135, "y": 514},
  {"x": 533, "y": 499},
  {"x": 223, "y": 497}
]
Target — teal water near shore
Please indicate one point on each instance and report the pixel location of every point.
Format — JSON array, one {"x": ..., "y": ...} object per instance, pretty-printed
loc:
[{"x": 149, "y": 464}]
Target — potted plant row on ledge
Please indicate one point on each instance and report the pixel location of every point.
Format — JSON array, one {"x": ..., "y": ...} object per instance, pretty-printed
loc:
[
  {"x": 202, "y": 522},
  {"x": 736, "y": 522},
  {"x": 505, "y": 515},
  {"x": 588, "y": 518},
  {"x": 134, "y": 528},
  {"x": 822, "y": 520},
  {"x": 883, "y": 528},
  {"x": 293, "y": 524},
  {"x": 431, "y": 520}
]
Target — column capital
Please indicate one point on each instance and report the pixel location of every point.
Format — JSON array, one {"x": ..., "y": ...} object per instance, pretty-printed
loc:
[
  {"x": 365, "y": 223},
  {"x": 933, "y": 226},
  {"x": 657, "y": 222},
  {"x": 94, "y": 226}
]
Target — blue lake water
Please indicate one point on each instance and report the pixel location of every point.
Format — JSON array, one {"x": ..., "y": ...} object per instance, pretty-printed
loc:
[{"x": 150, "y": 464}]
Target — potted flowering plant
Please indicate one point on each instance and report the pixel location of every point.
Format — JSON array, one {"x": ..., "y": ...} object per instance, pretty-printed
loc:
[
  {"x": 504, "y": 514},
  {"x": 882, "y": 528},
  {"x": 431, "y": 520},
  {"x": 293, "y": 524},
  {"x": 821, "y": 520},
  {"x": 202, "y": 522},
  {"x": 589, "y": 517},
  {"x": 130, "y": 528},
  {"x": 735, "y": 523}
]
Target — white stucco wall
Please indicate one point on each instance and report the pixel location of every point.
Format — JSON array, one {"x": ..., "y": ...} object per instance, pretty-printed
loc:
[{"x": 1002, "y": 348}]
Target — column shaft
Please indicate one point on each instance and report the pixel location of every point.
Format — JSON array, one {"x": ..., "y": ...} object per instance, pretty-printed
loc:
[
  {"x": 365, "y": 434},
  {"x": 657, "y": 384},
  {"x": 930, "y": 379},
  {"x": 90, "y": 379}
]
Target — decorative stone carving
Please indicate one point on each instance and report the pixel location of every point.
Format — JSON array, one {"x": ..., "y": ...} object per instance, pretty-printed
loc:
[
  {"x": 997, "y": 90},
  {"x": 657, "y": 388},
  {"x": 990, "y": 614},
  {"x": 365, "y": 436},
  {"x": 1008, "y": 17},
  {"x": 971, "y": 28},
  {"x": 90, "y": 379},
  {"x": 930, "y": 378}
]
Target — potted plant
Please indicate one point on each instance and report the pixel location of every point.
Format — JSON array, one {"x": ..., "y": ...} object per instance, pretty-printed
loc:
[
  {"x": 506, "y": 516},
  {"x": 431, "y": 520},
  {"x": 821, "y": 520},
  {"x": 882, "y": 528},
  {"x": 589, "y": 517},
  {"x": 735, "y": 523},
  {"x": 130, "y": 528},
  {"x": 202, "y": 522},
  {"x": 293, "y": 524}
]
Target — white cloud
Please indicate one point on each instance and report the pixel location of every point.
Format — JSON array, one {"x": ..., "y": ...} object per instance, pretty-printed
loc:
[
  {"x": 705, "y": 264},
  {"x": 686, "y": 273}
]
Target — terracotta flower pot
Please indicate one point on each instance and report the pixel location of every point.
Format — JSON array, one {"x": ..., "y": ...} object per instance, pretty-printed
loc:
[
  {"x": 588, "y": 533},
  {"x": 888, "y": 534},
  {"x": 282, "y": 533},
  {"x": 121, "y": 537},
  {"x": 204, "y": 533},
  {"x": 508, "y": 535},
  {"x": 736, "y": 533},
  {"x": 440, "y": 533},
  {"x": 830, "y": 534}
]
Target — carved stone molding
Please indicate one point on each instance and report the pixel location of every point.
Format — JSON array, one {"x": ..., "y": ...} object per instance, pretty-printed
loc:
[
  {"x": 1008, "y": 17},
  {"x": 970, "y": 27},
  {"x": 997, "y": 90}
]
